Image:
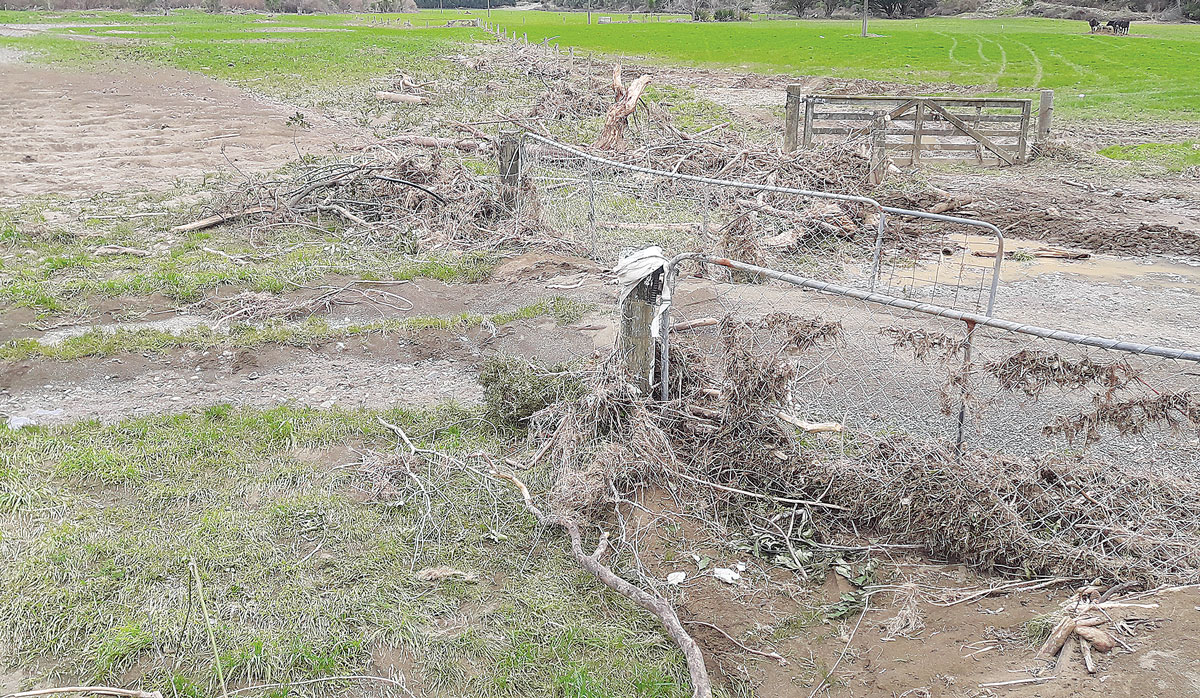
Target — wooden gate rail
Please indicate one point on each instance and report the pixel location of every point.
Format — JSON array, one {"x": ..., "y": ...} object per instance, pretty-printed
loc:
[{"x": 916, "y": 128}]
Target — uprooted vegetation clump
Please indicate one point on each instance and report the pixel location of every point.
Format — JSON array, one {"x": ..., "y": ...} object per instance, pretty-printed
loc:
[{"x": 514, "y": 389}]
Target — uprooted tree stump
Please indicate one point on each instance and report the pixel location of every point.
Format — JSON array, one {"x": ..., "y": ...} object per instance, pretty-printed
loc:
[{"x": 612, "y": 136}]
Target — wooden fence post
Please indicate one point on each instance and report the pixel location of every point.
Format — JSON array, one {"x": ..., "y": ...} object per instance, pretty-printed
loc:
[
  {"x": 810, "y": 106},
  {"x": 791, "y": 121},
  {"x": 878, "y": 166},
  {"x": 635, "y": 343},
  {"x": 1045, "y": 115},
  {"x": 510, "y": 168}
]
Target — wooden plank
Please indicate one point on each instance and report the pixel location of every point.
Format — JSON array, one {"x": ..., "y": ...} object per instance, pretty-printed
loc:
[
  {"x": 947, "y": 132},
  {"x": 896, "y": 113},
  {"x": 945, "y": 101},
  {"x": 844, "y": 116},
  {"x": 797, "y": 90},
  {"x": 962, "y": 126},
  {"x": 865, "y": 116},
  {"x": 938, "y": 147}
]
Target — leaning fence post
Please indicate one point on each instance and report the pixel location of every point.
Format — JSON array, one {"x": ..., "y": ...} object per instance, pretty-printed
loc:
[
  {"x": 878, "y": 148},
  {"x": 635, "y": 342},
  {"x": 510, "y": 168},
  {"x": 1045, "y": 115},
  {"x": 791, "y": 121}
]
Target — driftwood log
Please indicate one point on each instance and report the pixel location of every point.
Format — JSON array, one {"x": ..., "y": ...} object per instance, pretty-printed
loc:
[{"x": 612, "y": 136}]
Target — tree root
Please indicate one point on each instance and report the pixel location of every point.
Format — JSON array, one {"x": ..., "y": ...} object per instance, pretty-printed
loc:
[{"x": 660, "y": 607}]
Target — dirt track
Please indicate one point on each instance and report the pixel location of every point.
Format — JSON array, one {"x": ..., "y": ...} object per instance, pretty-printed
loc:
[{"x": 72, "y": 133}]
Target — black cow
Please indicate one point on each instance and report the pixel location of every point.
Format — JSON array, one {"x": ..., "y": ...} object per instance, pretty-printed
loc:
[
  {"x": 1119, "y": 26},
  {"x": 1094, "y": 24}
]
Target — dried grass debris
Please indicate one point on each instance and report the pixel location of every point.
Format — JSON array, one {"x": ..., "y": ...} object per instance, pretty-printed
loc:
[
  {"x": 926, "y": 343},
  {"x": 1129, "y": 417},
  {"x": 1031, "y": 371}
]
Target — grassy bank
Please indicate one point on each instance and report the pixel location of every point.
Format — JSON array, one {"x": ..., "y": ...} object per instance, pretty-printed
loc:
[{"x": 309, "y": 537}]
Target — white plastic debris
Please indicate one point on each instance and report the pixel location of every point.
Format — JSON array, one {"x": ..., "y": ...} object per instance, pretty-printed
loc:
[
  {"x": 638, "y": 265},
  {"x": 741, "y": 567},
  {"x": 726, "y": 575},
  {"x": 30, "y": 418},
  {"x": 676, "y": 578}
]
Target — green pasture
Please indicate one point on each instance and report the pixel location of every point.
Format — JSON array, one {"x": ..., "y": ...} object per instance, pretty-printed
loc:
[{"x": 1149, "y": 73}]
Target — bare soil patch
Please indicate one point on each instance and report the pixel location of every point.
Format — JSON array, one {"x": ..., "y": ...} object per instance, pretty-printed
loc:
[
  {"x": 72, "y": 132},
  {"x": 950, "y": 651},
  {"x": 423, "y": 368}
]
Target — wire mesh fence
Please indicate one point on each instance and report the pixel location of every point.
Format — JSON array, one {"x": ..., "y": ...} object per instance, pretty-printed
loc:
[
  {"x": 606, "y": 207},
  {"x": 884, "y": 365},
  {"x": 898, "y": 306}
]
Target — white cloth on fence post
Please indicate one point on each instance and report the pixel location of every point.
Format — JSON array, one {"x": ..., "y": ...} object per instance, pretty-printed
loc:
[{"x": 634, "y": 268}]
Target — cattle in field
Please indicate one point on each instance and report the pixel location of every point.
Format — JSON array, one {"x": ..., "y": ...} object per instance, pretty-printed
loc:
[
  {"x": 1094, "y": 24},
  {"x": 1118, "y": 26}
]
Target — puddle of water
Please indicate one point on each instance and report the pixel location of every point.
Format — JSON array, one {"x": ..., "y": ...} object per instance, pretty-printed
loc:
[
  {"x": 963, "y": 263},
  {"x": 175, "y": 324}
]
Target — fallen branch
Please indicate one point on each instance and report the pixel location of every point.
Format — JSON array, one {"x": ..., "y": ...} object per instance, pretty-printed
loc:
[
  {"x": 114, "y": 250},
  {"x": 399, "y": 98},
  {"x": 694, "y": 324},
  {"x": 759, "y": 495},
  {"x": 952, "y": 204},
  {"x": 1041, "y": 252},
  {"x": 1086, "y": 649},
  {"x": 1058, "y": 637},
  {"x": 769, "y": 655},
  {"x": 218, "y": 219},
  {"x": 660, "y": 607},
  {"x": 810, "y": 427},
  {"x": 463, "y": 144},
  {"x": 1017, "y": 682}
]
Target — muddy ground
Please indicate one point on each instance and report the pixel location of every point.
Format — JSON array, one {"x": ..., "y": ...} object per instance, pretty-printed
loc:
[
  {"x": 81, "y": 133},
  {"x": 77, "y": 133}
]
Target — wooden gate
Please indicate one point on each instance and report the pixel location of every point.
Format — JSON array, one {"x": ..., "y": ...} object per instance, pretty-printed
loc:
[{"x": 938, "y": 129}]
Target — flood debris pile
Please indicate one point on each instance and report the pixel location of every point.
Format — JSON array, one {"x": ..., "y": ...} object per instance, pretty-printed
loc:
[
  {"x": 416, "y": 200},
  {"x": 728, "y": 436}
]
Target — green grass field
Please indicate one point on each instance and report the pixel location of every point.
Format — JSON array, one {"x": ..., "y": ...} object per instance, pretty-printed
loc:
[{"x": 1151, "y": 73}]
